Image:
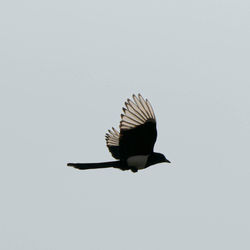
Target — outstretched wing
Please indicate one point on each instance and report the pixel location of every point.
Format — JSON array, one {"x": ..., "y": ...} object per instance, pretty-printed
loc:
[
  {"x": 137, "y": 128},
  {"x": 112, "y": 142}
]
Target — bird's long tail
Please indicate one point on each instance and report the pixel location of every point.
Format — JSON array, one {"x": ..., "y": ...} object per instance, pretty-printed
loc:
[{"x": 83, "y": 166}]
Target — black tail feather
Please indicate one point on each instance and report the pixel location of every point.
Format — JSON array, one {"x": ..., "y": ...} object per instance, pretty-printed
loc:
[{"x": 83, "y": 166}]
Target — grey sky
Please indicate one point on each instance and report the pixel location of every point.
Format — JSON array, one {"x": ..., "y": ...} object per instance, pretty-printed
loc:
[{"x": 66, "y": 69}]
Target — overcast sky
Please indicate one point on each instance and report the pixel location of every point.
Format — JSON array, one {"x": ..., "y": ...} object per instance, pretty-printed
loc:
[{"x": 66, "y": 68}]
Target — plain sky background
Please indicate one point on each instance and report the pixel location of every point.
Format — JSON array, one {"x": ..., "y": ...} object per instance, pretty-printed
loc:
[{"x": 66, "y": 68}]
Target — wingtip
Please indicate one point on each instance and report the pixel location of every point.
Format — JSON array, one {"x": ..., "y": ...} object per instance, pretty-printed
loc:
[{"x": 134, "y": 97}]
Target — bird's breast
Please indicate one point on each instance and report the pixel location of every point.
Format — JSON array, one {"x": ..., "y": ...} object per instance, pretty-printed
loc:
[{"x": 137, "y": 161}]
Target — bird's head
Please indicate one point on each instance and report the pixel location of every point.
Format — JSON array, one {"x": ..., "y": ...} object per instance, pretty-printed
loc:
[{"x": 157, "y": 158}]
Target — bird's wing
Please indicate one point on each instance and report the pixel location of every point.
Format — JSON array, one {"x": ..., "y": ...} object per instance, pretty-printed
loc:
[
  {"x": 112, "y": 142},
  {"x": 137, "y": 128}
]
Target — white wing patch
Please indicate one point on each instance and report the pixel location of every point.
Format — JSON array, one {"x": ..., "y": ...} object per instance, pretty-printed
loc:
[
  {"x": 112, "y": 137},
  {"x": 136, "y": 113}
]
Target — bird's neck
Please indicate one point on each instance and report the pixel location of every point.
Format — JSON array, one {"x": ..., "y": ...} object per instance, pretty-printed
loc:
[{"x": 153, "y": 159}]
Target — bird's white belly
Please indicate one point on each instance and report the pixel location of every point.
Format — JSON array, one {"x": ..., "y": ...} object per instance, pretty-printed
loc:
[{"x": 137, "y": 161}]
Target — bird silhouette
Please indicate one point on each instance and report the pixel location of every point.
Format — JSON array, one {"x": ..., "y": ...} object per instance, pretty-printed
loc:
[{"x": 133, "y": 147}]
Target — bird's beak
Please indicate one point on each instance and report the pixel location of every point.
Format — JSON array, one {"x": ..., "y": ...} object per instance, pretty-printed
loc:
[{"x": 167, "y": 161}]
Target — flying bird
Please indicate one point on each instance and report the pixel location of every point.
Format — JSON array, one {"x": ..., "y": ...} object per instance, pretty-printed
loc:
[{"x": 133, "y": 147}]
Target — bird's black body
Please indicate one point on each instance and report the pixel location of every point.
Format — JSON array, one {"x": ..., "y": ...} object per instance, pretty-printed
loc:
[
  {"x": 139, "y": 140},
  {"x": 133, "y": 146}
]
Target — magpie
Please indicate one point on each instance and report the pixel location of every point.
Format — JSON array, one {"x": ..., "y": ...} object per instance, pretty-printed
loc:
[{"x": 133, "y": 147}]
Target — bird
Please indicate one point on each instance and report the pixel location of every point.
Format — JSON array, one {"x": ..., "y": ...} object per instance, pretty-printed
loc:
[{"x": 133, "y": 146}]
